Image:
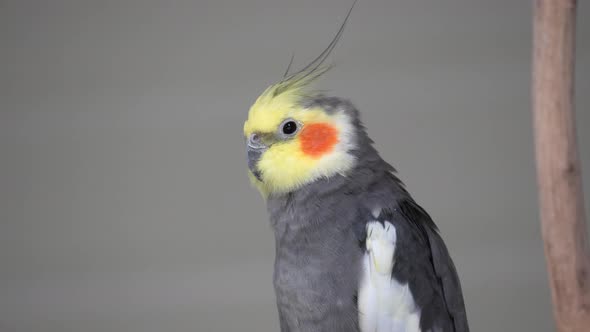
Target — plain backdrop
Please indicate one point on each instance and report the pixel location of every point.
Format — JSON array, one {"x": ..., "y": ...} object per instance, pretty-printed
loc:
[{"x": 125, "y": 204}]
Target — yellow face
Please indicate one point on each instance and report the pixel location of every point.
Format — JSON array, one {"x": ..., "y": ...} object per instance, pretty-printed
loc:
[{"x": 289, "y": 146}]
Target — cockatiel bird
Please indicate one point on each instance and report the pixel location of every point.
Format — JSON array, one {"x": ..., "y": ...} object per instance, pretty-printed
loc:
[{"x": 354, "y": 251}]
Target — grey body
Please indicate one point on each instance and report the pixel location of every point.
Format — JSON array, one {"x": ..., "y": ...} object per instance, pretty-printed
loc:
[{"x": 320, "y": 233}]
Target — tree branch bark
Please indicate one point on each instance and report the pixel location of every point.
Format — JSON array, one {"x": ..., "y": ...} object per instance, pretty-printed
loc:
[{"x": 558, "y": 166}]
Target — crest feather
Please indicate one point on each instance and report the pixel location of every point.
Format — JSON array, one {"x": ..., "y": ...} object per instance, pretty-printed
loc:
[{"x": 296, "y": 82}]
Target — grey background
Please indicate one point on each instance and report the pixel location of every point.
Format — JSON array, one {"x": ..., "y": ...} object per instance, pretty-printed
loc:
[{"x": 125, "y": 204}]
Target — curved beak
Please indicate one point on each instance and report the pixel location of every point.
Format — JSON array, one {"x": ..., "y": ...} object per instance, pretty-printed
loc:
[
  {"x": 255, "y": 149},
  {"x": 253, "y": 157}
]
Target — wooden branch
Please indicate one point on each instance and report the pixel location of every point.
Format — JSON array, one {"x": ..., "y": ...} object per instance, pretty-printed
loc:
[{"x": 558, "y": 166}]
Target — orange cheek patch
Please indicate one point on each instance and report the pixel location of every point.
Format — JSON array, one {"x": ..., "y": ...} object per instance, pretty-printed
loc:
[{"x": 318, "y": 138}]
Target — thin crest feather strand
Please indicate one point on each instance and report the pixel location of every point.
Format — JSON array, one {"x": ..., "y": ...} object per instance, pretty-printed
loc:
[{"x": 312, "y": 70}]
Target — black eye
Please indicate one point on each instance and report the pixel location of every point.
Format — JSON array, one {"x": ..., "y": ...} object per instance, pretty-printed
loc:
[{"x": 289, "y": 128}]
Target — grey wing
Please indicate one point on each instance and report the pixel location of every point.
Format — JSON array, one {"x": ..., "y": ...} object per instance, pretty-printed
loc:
[
  {"x": 409, "y": 282},
  {"x": 452, "y": 315}
]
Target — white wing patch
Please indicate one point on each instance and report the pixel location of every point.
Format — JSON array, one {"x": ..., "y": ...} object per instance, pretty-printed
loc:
[{"x": 384, "y": 304}]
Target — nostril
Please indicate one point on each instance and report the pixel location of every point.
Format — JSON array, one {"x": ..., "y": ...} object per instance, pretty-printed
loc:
[{"x": 255, "y": 139}]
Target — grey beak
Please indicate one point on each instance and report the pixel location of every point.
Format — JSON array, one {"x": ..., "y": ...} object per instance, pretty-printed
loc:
[{"x": 255, "y": 150}]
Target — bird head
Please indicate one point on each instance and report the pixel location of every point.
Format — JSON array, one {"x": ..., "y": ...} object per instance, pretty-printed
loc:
[{"x": 292, "y": 139}]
